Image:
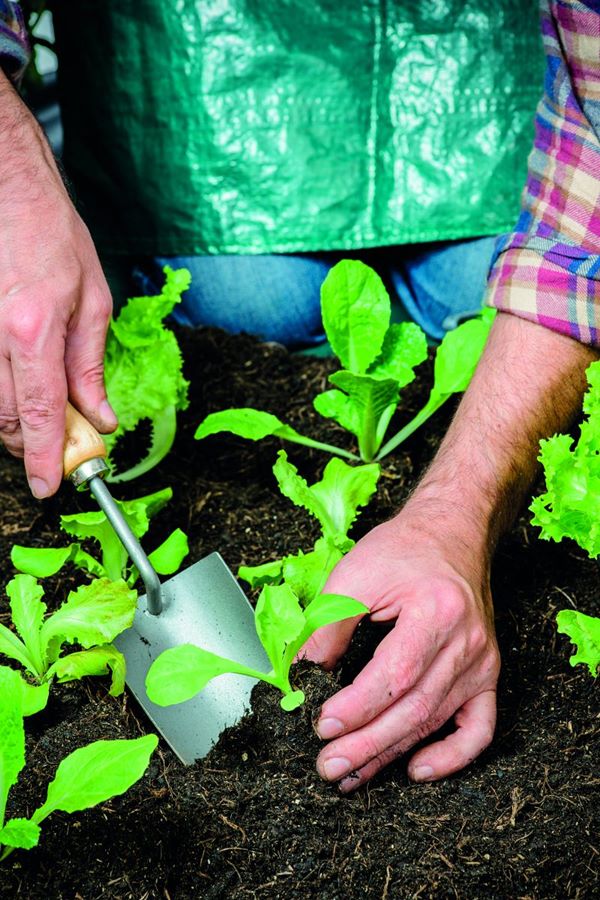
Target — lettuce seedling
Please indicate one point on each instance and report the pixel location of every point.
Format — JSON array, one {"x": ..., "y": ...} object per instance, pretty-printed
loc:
[
  {"x": 334, "y": 501},
  {"x": 114, "y": 562},
  {"x": 91, "y": 616},
  {"x": 570, "y": 507},
  {"x": 143, "y": 372},
  {"x": 584, "y": 632},
  {"x": 283, "y": 628},
  {"x": 85, "y": 778},
  {"x": 378, "y": 359}
]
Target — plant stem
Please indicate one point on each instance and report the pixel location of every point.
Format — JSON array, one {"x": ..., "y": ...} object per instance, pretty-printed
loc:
[
  {"x": 328, "y": 448},
  {"x": 432, "y": 405}
]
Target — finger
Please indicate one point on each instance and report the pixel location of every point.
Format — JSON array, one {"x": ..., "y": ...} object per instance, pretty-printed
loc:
[
  {"x": 401, "y": 659},
  {"x": 475, "y": 721},
  {"x": 418, "y": 713},
  {"x": 84, "y": 358},
  {"x": 360, "y": 776},
  {"x": 37, "y": 359},
  {"x": 10, "y": 425}
]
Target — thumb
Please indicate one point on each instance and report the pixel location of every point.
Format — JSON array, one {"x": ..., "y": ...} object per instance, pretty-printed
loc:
[{"x": 329, "y": 643}]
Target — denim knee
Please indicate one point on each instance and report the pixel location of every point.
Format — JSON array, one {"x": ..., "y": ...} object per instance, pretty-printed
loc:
[{"x": 275, "y": 297}]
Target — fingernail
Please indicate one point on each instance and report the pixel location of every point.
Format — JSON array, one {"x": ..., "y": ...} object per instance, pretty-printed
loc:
[
  {"x": 421, "y": 773},
  {"x": 336, "y": 767},
  {"x": 329, "y": 728},
  {"x": 107, "y": 413},
  {"x": 39, "y": 488}
]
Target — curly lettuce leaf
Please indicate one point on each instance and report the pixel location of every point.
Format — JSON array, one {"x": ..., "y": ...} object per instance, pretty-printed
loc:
[
  {"x": 569, "y": 506},
  {"x": 143, "y": 371},
  {"x": 94, "y": 524},
  {"x": 335, "y": 500},
  {"x": 584, "y": 632}
]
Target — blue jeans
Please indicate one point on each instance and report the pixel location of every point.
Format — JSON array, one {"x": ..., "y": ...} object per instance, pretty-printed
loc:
[{"x": 277, "y": 297}]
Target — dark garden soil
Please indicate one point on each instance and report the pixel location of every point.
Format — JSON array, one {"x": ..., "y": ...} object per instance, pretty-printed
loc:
[{"x": 253, "y": 819}]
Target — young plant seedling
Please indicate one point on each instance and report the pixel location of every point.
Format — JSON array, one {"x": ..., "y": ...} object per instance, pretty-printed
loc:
[
  {"x": 283, "y": 628},
  {"x": 114, "y": 562},
  {"x": 378, "y": 360},
  {"x": 91, "y": 616},
  {"x": 334, "y": 501},
  {"x": 85, "y": 778},
  {"x": 143, "y": 372},
  {"x": 570, "y": 507}
]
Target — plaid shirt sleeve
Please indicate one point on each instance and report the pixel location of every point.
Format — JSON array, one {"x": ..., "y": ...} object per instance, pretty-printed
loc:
[
  {"x": 14, "y": 45},
  {"x": 548, "y": 269}
]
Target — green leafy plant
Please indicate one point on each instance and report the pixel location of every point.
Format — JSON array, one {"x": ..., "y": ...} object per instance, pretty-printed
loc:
[
  {"x": 85, "y": 778},
  {"x": 570, "y": 507},
  {"x": 283, "y": 627},
  {"x": 584, "y": 632},
  {"x": 114, "y": 562},
  {"x": 143, "y": 372},
  {"x": 92, "y": 616},
  {"x": 334, "y": 501},
  {"x": 378, "y": 360}
]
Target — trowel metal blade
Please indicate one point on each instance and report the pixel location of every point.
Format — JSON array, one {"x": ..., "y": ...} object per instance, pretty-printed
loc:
[{"x": 202, "y": 605}]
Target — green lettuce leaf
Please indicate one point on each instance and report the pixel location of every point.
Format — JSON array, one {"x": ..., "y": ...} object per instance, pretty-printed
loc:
[
  {"x": 306, "y": 573},
  {"x": 367, "y": 411},
  {"x": 180, "y": 673},
  {"x": 95, "y": 525},
  {"x": 93, "y": 774},
  {"x": 20, "y": 833},
  {"x": 584, "y": 632},
  {"x": 279, "y": 620},
  {"x": 258, "y": 576},
  {"x": 251, "y": 424},
  {"x": 169, "y": 555},
  {"x": 143, "y": 371},
  {"x": 92, "y": 615},
  {"x": 356, "y": 313},
  {"x": 44, "y": 561},
  {"x": 457, "y": 356},
  {"x": 96, "y": 661},
  {"x": 404, "y": 348},
  {"x": 335, "y": 500},
  {"x": 12, "y": 734},
  {"x": 27, "y": 612}
]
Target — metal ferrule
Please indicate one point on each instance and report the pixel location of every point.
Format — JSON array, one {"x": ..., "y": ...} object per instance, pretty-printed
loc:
[{"x": 90, "y": 469}]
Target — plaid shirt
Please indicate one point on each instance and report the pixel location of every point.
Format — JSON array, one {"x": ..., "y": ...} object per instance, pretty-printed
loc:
[
  {"x": 548, "y": 269},
  {"x": 14, "y": 46}
]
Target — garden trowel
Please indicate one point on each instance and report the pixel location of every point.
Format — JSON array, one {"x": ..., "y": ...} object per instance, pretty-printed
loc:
[{"x": 201, "y": 605}]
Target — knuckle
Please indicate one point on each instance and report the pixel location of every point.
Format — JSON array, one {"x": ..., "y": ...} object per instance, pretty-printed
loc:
[
  {"x": 10, "y": 424},
  {"x": 478, "y": 639},
  {"x": 91, "y": 374},
  {"x": 372, "y": 748},
  {"x": 421, "y": 710},
  {"x": 451, "y": 603},
  {"x": 37, "y": 413},
  {"x": 26, "y": 327}
]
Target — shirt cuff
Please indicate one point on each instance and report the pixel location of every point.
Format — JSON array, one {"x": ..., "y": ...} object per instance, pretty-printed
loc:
[
  {"x": 14, "y": 43},
  {"x": 526, "y": 284}
]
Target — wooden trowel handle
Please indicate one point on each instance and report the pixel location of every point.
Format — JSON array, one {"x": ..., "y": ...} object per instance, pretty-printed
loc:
[{"x": 82, "y": 441}]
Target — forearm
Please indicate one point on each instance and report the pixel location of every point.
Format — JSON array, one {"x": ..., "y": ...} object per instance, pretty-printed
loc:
[
  {"x": 528, "y": 385},
  {"x": 26, "y": 160}
]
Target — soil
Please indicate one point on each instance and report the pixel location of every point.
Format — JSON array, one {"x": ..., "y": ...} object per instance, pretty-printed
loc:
[{"x": 253, "y": 819}]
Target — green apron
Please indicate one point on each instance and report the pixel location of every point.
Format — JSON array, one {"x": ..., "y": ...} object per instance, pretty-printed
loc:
[{"x": 253, "y": 126}]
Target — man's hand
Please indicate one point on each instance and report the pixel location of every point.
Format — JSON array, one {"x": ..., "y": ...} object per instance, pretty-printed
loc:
[
  {"x": 439, "y": 660},
  {"x": 55, "y": 304},
  {"x": 427, "y": 570}
]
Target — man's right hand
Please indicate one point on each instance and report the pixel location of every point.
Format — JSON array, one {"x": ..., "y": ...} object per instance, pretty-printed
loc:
[{"x": 55, "y": 304}]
